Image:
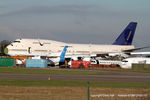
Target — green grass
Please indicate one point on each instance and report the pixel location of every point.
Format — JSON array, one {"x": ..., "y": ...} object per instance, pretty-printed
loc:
[
  {"x": 125, "y": 70},
  {"x": 60, "y": 83},
  {"x": 46, "y": 71},
  {"x": 64, "y": 72},
  {"x": 121, "y": 84}
]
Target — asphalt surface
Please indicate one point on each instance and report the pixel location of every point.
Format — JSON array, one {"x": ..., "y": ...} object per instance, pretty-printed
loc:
[{"x": 110, "y": 76}]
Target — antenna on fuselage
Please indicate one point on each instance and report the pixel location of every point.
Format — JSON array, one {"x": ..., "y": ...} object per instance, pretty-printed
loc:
[
  {"x": 41, "y": 44},
  {"x": 19, "y": 36}
]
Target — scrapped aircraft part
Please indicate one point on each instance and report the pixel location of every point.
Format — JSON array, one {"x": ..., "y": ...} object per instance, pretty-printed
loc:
[
  {"x": 6, "y": 51},
  {"x": 127, "y": 63}
]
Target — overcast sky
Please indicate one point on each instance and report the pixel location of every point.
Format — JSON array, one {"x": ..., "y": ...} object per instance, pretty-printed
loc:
[{"x": 76, "y": 21}]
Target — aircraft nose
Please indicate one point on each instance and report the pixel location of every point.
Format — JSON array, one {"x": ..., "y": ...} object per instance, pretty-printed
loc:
[{"x": 6, "y": 50}]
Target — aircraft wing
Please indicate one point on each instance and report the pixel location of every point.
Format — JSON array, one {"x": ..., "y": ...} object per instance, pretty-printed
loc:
[
  {"x": 139, "y": 53},
  {"x": 131, "y": 50}
]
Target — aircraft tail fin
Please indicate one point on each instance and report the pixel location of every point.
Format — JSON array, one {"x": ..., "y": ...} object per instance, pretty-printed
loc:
[
  {"x": 126, "y": 37},
  {"x": 63, "y": 53}
]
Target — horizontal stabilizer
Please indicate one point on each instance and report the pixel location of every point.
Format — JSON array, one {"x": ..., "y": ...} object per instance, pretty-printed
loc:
[{"x": 131, "y": 50}]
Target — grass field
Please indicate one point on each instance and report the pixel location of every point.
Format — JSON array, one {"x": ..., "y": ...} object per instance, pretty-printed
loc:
[
  {"x": 46, "y": 71},
  {"x": 61, "y": 83},
  {"x": 17, "y": 89},
  {"x": 64, "y": 72},
  {"x": 70, "y": 93},
  {"x": 126, "y": 70},
  {"x": 70, "y": 90}
]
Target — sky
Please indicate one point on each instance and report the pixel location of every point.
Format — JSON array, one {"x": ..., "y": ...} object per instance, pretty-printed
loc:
[{"x": 75, "y": 21}]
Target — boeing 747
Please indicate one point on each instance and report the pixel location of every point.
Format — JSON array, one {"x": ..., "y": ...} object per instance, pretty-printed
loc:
[{"x": 34, "y": 47}]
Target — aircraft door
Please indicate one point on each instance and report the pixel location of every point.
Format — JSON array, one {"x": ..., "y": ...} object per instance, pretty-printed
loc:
[{"x": 29, "y": 50}]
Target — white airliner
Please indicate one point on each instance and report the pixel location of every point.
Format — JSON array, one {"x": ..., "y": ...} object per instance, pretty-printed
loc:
[{"x": 41, "y": 47}]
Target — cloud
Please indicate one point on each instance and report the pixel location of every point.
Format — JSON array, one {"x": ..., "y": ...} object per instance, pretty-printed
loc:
[
  {"x": 2, "y": 6},
  {"x": 96, "y": 22},
  {"x": 62, "y": 9},
  {"x": 7, "y": 33},
  {"x": 80, "y": 13}
]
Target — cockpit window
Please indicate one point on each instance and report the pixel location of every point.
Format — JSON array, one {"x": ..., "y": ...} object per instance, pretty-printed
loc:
[
  {"x": 124, "y": 61},
  {"x": 16, "y": 41}
]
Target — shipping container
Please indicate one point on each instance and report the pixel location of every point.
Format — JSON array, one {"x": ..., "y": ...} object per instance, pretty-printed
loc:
[
  {"x": 86, "y": 64},
  {"x": 36, "y": 63},
  {"x": 76, "y": 64},
  {"x": 80, "y": 64},
  {"x": 7, "y": 62}
]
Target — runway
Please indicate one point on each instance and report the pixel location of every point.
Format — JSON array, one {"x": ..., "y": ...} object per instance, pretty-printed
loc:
[{"x": 112, "y": 76}]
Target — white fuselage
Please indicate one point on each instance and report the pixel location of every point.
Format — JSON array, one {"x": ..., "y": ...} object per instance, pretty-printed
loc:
[
  {"x": 109, "y": 62},
  {"x": 32, "y": 47},
  {"x": 127, "y": 63}
]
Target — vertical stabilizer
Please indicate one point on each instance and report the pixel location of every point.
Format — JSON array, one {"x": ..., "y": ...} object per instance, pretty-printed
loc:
[
  {"x": 126, "y": 37},
  {"x": 62, "y": 56}
]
